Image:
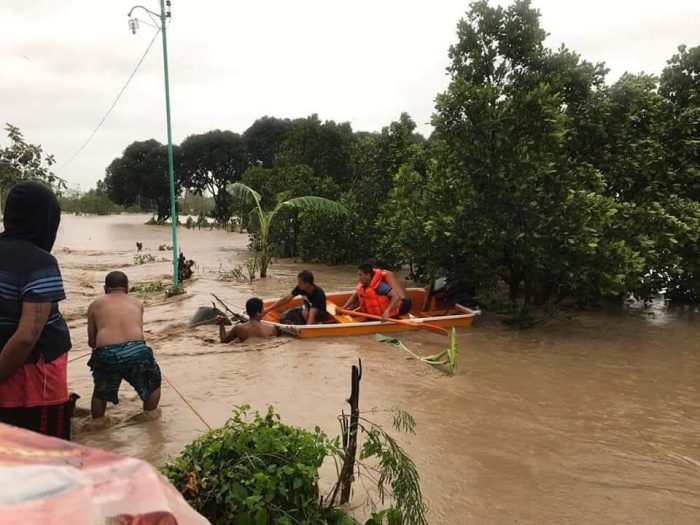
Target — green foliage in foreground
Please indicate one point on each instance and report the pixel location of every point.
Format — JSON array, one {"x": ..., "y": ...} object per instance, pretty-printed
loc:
[{"x": 262, "y": 471}]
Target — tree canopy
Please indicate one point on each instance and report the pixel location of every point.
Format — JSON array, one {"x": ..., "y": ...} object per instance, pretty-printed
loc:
[
  {"x": 209, "y": 162},
  {"x": 540, "y": 176},
  {"x": 21, "y": 160},
  {"x": 141, "y": 174}
]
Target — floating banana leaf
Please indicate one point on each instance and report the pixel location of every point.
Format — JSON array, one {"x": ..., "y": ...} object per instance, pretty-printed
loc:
[{"x": 447, "y": 358}]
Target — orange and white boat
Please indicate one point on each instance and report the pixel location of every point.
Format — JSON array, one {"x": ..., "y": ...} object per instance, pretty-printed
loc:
[{"x": 424, "y": 311}]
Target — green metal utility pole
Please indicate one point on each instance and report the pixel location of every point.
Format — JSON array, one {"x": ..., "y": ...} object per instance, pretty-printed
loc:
[
  {"x": 164, "y": 15},
  {"x": 171, "y": 169}
]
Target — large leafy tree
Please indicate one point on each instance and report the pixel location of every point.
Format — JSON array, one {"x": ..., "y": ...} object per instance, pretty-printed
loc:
[
  {"x": 506, "y": 200},
  {"x": 140, "y": 177},
  {"x": 680, "y": 87},
  {"x": 314, "y": 158},
  {"x": 376, "y": 160},
  {"x": 210, "y": 161},
  {"x": 326, "y": 147},
  {"x": 21, "y": 160},
  {"x": 264, "y": 138}
]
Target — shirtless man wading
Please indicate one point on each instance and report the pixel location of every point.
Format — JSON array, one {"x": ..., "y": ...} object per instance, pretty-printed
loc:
[
  {"x": 253, "y": 328},
  {"x": 115, "y": 332}
]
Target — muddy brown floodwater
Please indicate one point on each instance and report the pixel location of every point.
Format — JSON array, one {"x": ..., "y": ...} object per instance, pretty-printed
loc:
[{"x": 594, "y": 419}]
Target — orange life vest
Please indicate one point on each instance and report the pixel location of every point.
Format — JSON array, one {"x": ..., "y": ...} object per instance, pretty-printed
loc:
[{"x": 372, "y": 302}]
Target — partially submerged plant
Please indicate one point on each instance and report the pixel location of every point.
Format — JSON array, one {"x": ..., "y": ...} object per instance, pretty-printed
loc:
[
  {"x": 147, "y": 287},
  {"x": 447, "y": 359},
  {"x": 143, "y": 258},
  {"x": 251, "y": 265},
  {"x": 261, "y": 220},
  {"x": 233, "y": 274}
]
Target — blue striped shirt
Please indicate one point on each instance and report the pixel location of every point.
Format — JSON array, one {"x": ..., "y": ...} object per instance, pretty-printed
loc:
[{"x": 29, "y": 274}]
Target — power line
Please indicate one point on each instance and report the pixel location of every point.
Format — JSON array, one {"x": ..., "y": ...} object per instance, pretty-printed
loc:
[{"x": 121, "y": 92}]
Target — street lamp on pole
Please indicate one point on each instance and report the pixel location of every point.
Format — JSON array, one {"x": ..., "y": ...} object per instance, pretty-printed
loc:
[{"x": 133, "y": 25}]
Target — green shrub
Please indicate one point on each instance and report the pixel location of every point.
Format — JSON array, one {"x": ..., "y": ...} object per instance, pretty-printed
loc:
[{"x": 260, "y": 471}]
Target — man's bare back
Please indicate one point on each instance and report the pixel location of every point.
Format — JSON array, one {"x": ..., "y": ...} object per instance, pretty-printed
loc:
[
  {"x": 115, "y": 318},
  {"x": 253, "y": 328},
  {"x": 115, "y": 333}
]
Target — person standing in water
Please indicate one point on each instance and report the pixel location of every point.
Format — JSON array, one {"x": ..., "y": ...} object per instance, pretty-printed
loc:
[
  {"x": 115, "y": 332},
  {"x": 34, "y": 337},
  {"x": 253, "y": 328}
]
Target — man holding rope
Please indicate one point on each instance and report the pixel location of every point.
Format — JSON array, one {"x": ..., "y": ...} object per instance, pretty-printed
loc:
[{"x": 115, "y": 332}]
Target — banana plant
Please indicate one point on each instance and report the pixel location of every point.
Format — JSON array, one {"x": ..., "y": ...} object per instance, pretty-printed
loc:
[
  {"x": 447, "y": 359},
  {"x": 263, "y": 219}
]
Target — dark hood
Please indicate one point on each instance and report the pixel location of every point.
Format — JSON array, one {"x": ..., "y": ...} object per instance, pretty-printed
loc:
[{"x": 32, "y": 214}]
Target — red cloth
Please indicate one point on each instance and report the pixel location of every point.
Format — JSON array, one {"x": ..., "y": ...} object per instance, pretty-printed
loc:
[{"x": 37, "y": 384}]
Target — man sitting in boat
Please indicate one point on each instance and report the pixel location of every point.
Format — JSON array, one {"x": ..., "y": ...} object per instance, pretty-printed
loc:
[
  {"x": 378, "y": 293},
  {"x": 314, "y": 309},
  {"x": 253, "y": 328}
]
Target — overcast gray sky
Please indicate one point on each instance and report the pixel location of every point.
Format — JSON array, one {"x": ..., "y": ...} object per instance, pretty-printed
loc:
[{"x": 366, "y": 61}]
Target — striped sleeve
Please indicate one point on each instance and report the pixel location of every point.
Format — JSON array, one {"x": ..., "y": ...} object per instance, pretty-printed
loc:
[{"x": 44, "y": 286}]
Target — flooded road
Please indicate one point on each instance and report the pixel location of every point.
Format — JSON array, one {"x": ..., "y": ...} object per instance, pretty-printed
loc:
[{"x": 594, "y": 419}]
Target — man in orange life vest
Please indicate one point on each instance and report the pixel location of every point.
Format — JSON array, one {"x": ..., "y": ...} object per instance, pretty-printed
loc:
[{"x": 378, "y": 293}]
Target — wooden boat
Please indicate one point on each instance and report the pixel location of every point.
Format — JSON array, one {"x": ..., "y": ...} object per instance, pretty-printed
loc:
[{"x": 432, "y": 311}]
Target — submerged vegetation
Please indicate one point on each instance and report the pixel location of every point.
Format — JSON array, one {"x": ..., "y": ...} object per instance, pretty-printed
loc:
[
  {"x": 445, "y": 360},
  {"x": 143, "y": 258},
  {"x": 147, "y": 287}
]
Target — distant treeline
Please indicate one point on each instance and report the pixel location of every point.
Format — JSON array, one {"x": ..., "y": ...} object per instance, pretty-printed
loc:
[{"x": 97, "y": 202}]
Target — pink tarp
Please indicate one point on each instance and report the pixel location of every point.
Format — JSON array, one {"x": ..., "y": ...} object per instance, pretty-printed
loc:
[{"x": 49, "y": 481}]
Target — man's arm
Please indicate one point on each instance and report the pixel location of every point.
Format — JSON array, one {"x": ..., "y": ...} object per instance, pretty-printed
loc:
[
  {"x": 223, "y": 336},
  {"x": 20, "y": 345},
  {"x": 91, "y": 327},
  {"x": 313, "y": 315},
  {"x": 351, "y": 302},
  {"x": 395, "y": 284},
  {"x": 279, "y": 303},
  {"x": 395, "y": 299}
]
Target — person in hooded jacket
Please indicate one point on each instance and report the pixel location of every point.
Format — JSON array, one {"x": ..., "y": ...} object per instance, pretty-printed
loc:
[{"x": 34, "y": 337}]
